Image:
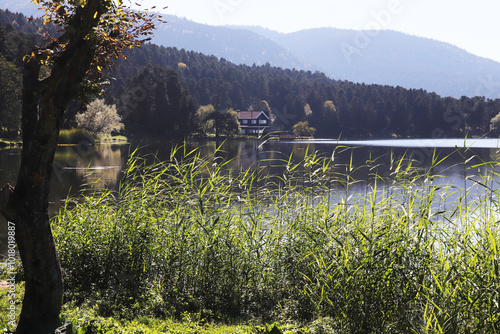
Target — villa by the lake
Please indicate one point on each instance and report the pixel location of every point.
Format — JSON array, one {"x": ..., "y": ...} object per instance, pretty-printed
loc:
[{"x": 253, "y": 122}]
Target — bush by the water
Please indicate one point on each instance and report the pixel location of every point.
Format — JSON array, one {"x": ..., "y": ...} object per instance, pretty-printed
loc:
[
  {"x": 76, "y": 137},
  {"x": 187, "y": 236}
]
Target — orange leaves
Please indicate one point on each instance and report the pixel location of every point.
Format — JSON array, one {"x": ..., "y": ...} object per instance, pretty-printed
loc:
[
  {"x": 113, "y": 28},
  {"x": 40, "y": 57},
  {"x": 60, "y": 10}
]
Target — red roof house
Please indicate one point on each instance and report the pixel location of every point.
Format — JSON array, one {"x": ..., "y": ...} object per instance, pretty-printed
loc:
[{"x": 253, "y": 122}]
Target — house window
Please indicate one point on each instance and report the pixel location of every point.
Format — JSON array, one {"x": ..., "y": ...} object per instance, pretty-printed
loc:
[
  {"x": 263, "y": 121},
  {"x": 244, "y": 121},
  {"x": 254, "y": 121}
]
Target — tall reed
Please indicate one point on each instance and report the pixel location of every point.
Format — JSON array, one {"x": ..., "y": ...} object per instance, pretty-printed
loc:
[{"x": 187, "y": 235}]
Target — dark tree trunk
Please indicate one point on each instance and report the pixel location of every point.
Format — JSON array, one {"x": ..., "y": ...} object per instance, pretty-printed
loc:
[
  {"x": 43, "y": 281},
  {"x": 76, "y": 60},
  {"x": 26, "y": 205}
]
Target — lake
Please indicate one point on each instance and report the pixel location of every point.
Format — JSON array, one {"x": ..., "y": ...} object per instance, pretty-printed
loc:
[{"x": 76, "y": 167}]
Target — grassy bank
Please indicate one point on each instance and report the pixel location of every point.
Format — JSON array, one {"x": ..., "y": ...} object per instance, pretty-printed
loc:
[
  {"x": 84, "y": 137},
  {"x": 4, "y": 143},
  {"x": 75, "y": 136},
  {"x": 87, "y": 320},
  {"x": 186, "y": 238}
]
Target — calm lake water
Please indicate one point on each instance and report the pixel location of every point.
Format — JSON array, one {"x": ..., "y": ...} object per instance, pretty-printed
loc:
[{"x": 78, "y": 166}]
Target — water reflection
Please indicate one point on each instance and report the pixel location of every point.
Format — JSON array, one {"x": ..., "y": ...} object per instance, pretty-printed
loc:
[
  {"x": 82, "y": 166},
  {"x": 76, "y": 167}
]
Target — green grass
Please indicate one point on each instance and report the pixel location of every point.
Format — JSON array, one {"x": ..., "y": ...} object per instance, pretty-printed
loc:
[
  {"x": 6, "y": 298},
  {"x": 112, "y": 139},
  {"x": 72, "y": 137},
  {"x": 75, "y": 137},
  {"x": 88, "y": 321},
  {"x": 10, "y": 143},
  {"x": 188, "y": 237}
]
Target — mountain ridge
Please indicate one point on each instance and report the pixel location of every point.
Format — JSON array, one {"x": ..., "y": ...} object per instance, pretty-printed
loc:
[
  {"x": 373, "y": 57},
  {"x": 366, "y": 60},
  {"x": 333, "y": 107},
  {"x": 224, "y": 42}
]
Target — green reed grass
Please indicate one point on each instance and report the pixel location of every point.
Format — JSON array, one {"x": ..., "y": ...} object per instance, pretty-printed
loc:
[
  {"x": 187, "y": 235},
  {"x": 75, "y": 137}
]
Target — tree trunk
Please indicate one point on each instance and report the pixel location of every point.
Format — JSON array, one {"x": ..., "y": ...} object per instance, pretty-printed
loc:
[
  {"x": 43, "y": 104},
  {"x": 27, "y": 206},
  {"x": 43, "y": 281},
  {"x": 42, "y": 271}
]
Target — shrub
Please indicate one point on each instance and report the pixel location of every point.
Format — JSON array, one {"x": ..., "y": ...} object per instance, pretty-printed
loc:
[
  {"x": 76, "y": 137},
  {"x": 303, "y": 129}
]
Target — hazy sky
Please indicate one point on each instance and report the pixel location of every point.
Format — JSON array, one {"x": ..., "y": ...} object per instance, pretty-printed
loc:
[{"x": 471, "y": 25}]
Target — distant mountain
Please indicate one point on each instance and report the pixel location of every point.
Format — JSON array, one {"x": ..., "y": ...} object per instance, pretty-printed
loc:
[
  {"x": 372, "y": 57},
  {"x": 393, "y": 58},
  {"x": 26, "y": 7},
  {"x": 381, "y": 57},
  {"x": 235, "y": 45}
]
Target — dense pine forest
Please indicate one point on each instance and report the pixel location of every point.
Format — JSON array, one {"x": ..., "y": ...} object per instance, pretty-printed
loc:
[
  {"x": 157, "y": 91},
  {"x": 334, "y": 108}
]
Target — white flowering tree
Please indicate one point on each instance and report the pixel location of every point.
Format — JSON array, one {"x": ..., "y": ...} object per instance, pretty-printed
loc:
[{"x": 100, "y": 118}]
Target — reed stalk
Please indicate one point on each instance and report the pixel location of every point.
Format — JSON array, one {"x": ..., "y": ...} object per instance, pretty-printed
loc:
[{"x": 187, "y": 235}]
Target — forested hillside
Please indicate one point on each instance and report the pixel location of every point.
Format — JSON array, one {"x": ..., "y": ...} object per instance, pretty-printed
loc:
[
  {"x": 22, "y": 24},
  {"x": 391, "y": 58},
  {"x": 17, "y": 36},
  {"x": 157, "y": 91},
  {"x": 375, "y": 57},
  {"x": 334, "y": 108},
  {"x": 236, "y": 45}
]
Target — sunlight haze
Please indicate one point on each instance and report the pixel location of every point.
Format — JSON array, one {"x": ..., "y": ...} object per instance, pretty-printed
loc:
[{"x": 469, "y": 25}]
